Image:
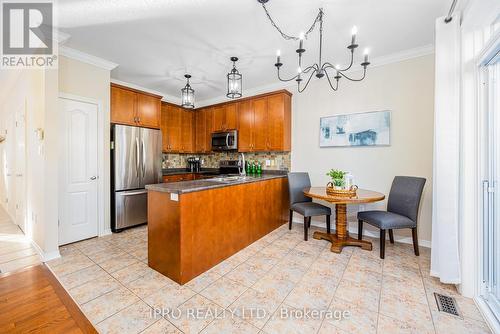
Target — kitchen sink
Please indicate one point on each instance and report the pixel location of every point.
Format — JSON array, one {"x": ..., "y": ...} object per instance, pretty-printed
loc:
[{"x": 229, "y": 179}]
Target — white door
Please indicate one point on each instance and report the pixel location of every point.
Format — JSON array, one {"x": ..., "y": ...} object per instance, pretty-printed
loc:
[
  {"x": 78, "y": 217},
  {"x": 20, "y": 167},
  {"x": 9, "y": 167}
]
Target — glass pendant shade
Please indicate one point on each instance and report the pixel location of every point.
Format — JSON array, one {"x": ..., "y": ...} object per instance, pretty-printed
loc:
[
  {"x": 187, "y": 95},
  {"x": 234, "y": 80}
]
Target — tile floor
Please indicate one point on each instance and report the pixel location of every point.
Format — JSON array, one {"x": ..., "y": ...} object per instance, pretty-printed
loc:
[
  {"x": 16, "y": 251},
  {"x": 266, "y": 288}
]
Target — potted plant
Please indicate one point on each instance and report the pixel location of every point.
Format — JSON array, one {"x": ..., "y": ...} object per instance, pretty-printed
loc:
[{"x": 337, "y": 176}]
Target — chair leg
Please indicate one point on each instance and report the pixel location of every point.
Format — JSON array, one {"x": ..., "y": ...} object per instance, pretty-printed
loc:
[
  {"x": 382, "y": 244},
  {"x": 415, "y": 241},
  {"x": 290, "y": 221},
  {"x": 309, "y": 222},
  {"x": 360, "y": 229},
  {"x": 328, "y": 224},
  {"x": 391, "y": 236},
  {"x": 306, "y": 224}
]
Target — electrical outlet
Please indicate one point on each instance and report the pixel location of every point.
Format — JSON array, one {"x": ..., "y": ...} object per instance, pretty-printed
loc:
[
  {"x": 268, "y": 163},
  {"x": 361, "y": 207}
]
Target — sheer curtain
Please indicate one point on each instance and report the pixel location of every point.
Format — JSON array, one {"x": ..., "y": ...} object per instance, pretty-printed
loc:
[{"x": 445, "y": 260}]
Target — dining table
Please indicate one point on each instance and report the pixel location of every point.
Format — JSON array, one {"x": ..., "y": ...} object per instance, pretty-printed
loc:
[{"x": 341, "y": 237}]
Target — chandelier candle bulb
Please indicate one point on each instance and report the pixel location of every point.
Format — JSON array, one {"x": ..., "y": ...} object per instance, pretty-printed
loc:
[
  {"x": 278, "y": 57},
  {"x": 367, "y": 51},
  {"x": 354, "y": 31}
]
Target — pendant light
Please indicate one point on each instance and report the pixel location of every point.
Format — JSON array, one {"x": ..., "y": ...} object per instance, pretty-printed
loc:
[
  {"x": 234, "y": 81},
  {"x": 187, "y": 94}
]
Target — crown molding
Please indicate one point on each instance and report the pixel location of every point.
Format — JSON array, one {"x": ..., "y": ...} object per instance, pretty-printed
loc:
[
  {"x": 86, "y": 58},
  {"x": 375, "y": 62},
  {"x": 165, "y": 97}
]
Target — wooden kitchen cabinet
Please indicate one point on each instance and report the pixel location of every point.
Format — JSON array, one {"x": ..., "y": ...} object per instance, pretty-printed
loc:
[
  {"x": 187, "y": 131},
  {"x": 132, "y": 107},
  {"x": 225, "y": 117},
  {"x": 265, "y": 123},
  {"x": 203, "y": 130},
  {"x": 178, "y": 177},
  {"x": 171, "y": 119}
]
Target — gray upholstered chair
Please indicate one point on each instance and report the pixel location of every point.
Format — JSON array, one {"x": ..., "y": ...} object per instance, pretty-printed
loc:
[
  {"x": 402, "y": 211},
  {"x": 304, "y": 205}
]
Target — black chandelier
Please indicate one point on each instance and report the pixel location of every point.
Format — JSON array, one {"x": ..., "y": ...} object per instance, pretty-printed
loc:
[
  {"x": 234, "y": 81},
  {"x": 321, "y": 68},
  {"x": 187, "y": 94}
]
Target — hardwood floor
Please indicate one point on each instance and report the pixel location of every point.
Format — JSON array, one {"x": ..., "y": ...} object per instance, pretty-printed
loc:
[{"x": 32, "y": 300}]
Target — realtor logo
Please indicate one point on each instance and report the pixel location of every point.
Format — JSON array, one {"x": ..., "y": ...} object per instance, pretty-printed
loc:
[{"x": 27, "y": 35}]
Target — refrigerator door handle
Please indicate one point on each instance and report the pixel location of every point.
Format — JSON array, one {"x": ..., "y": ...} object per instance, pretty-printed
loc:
[
  {"x": 143, "y": 157},
  {"x": 137, "y": 157}
]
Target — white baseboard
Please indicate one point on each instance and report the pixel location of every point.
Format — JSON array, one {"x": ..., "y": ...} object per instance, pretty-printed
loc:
[
  {"x": 105, "y": 232},
  {"x": 404, "y": 240},
  {"x": 488, "y": 315},
  {"x": 46, "y": 256}
]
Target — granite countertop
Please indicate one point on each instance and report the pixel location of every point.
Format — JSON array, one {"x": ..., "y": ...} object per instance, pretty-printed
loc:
[
  {"x": 177, "y": 171},
  {"x": 184, "y": 187}
]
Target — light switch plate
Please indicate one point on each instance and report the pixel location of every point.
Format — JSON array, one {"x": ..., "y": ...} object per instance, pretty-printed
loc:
[
  {"x": 174, "y": 197},
  {"x": 268, "y": 163}
]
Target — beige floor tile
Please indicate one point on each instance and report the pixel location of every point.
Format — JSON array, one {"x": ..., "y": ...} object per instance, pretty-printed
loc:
[
  {"x": 393, "y": 326},
  {"x": 287, "y": 270},
  {"x": 262, "y": 261},
  {"x": 274, "y": 285},
  {"x": 132, "y": 319},
  {"x": 82, "y": 276},
  {"x": 204, "y": 313},
  {"x": 446, "y": 324},
  {"x": 255, "y": 307},
  {"x": 93, "y": 289},
  {"x": 202, "y": 281},
  {"x": 76, "y": 264},
  {"x": 67, "y": 257},
  {"x": 414, "y": 313},
  {"x": 358, "y": 294},
  {"x": 150, "y": 283},
  {"x": 301, "y": 257},
  {"x": 329, "y": 328},
  {"x": 108, "y": 304},
  {"x": 104, "y": 255},
  {"x": 403, "y": 290},
  {"x": 162, "y": 326},
  {"x": 275, "y": 251},
  {"x": 229, "y": 325},
  {"x": 246, "y": 274},
  {"x": 356, "y": 320},
  {"x": 131, "y": 272},
  {"x": 224, "y": 291},
  {"x": 169, "y": 297},
  {"x": 311, "y": 296},
  {"x": 140, "y": 252},
  {"x": 118, "y": 262},
  {"x": 226, "y": 266},
  {"x": 291, "y": 321}
]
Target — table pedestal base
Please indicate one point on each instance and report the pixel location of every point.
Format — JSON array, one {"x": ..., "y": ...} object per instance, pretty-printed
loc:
[
  {"x": 341, "y": 238},
  {"x": 338, "y": 244}
]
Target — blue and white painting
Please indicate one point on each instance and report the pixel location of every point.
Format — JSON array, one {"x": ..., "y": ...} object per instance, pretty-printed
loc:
[{"x": 362, "y": 129}]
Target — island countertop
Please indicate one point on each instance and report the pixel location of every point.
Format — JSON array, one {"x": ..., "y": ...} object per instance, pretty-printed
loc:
[{"x": 184, "y": 187}]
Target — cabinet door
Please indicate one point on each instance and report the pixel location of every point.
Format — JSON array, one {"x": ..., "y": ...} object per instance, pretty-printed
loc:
[
  {"x": 187, "y": 134},
  {"x": 208, "y": 129},
  {"x": 164, "y": 127},
  {"x": 148, "y": 111},
  {"x": 174, "y": 119},
  {"x": 218, "y": 119},
  {"x": 275, "y": 122},
  {"x": 260, "y": 128},
  {"x": 200, "y": 131},
  {"x": 123, "y": 106},
  {"x": 231, "y": 117},
  {"x": 245, "y": 120}
]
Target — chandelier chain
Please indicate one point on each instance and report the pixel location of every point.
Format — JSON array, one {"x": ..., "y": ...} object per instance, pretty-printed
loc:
[{"x": 319, "y": 18}]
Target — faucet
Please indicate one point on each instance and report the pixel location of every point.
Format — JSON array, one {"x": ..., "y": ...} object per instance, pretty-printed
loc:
[{"x": 241, "y": 164}]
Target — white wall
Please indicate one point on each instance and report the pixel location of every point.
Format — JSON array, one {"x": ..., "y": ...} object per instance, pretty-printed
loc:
[
  {"x": 407, "y": 89},
  {"x": 91, "y": 82}
]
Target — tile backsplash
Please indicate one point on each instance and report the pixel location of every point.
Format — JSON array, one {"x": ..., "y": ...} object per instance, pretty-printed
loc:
[{"x": 269, "y": 160}]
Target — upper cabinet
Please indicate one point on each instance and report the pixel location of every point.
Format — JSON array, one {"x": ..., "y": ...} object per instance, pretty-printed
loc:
[
  {"x": 203, "y": 130},
  {"x": 133, "y": 107},
  {"x": 225, "y": 117},
  {"x": 265, "y": 123}
]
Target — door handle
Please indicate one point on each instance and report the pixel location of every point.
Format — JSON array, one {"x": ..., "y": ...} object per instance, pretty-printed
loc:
[
  {"x": 19, "y": 175},
  {"x": 143, "y": 158},
  {"x": 93, "y": 178},
  {"x": 137, "y": 166},
  {"x": 227, "y": 140}
]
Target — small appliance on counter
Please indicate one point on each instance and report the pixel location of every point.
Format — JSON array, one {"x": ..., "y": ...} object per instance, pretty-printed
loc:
[
  {"x": 225, "y": 141},
  {"x": 194, "y": 164},
  {"x": 229, "y": 167}
]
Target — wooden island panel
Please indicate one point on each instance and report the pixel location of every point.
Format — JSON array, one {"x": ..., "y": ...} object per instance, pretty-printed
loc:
[{"x": 189, "y": 236}]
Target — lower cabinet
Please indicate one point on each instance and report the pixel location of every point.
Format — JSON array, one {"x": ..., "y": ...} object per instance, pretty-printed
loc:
[{"x": 178, "y": 177}]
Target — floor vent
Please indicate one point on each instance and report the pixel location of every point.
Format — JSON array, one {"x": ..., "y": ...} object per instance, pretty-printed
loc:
[{"x": 446, "y": 304}]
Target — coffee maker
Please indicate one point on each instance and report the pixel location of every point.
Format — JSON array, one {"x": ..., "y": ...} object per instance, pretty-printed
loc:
[{"x": 193, "y": 164}]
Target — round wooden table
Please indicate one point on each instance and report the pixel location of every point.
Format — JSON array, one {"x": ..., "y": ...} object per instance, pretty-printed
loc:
[{"x": 341, "y": 237}]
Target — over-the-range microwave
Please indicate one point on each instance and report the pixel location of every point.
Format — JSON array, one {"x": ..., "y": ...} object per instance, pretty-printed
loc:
[{"x": 225, "y": 141}]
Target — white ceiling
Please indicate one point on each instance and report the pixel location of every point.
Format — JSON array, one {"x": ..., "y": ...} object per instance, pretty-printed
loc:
[{"x": 156, "y": 41}]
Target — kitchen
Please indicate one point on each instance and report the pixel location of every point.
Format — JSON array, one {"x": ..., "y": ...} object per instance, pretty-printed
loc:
[{"x": 259, "y": 126}]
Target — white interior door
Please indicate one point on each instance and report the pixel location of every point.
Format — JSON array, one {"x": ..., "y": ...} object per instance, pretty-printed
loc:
[
  {"x": 9, "y": 165},
  {"x": 20, "y": 167},
  {"x": 78, "y": 216}
]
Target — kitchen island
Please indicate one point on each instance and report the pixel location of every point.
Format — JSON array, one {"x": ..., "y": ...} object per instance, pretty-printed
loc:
[{"x": 194, "y": 225}]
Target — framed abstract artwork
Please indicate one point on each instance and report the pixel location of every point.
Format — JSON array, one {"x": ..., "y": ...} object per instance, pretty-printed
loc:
[{"x": 360, "y": 129}]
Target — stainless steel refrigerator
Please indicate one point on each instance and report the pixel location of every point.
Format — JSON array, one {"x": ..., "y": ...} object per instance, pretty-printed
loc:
[{"x": 135, "y": 162}]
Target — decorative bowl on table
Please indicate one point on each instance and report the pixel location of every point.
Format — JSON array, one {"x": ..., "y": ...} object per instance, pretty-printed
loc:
[{"x": 339, "y": 192}]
